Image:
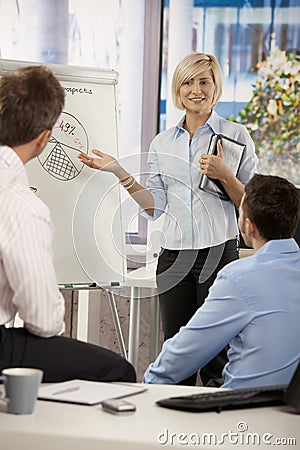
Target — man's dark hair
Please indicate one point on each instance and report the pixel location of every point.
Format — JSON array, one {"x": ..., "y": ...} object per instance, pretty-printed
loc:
[
  {"x": 31, "y": 100},
  {"x": 273, "y": 203}
]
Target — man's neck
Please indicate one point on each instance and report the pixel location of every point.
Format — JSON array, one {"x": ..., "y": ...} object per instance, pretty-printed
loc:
[
  {"x": 23, "y": 152},
  {"x": 258, "y": 243}
]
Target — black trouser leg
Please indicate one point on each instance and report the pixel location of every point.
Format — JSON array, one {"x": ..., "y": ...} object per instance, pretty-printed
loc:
[
  {"x": 62, "y": 358},
  {"x": 178, "y": 304},
  {"x": 214, "y": 368}
]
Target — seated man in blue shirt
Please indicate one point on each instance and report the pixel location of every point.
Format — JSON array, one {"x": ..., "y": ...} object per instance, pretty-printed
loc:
[{"x": 254, "y": 304}]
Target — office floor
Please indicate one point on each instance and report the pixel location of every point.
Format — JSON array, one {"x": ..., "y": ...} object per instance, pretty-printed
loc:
[{"x": 107, "y": 333}]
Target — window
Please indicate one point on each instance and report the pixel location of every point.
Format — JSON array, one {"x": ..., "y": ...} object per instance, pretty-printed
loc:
[
  {"x": 240, "y": 34},
  {"x": 120, "y": 34}
]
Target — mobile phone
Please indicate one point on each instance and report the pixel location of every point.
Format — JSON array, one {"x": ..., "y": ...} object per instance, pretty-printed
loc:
[{"x": 118, "y": 406}]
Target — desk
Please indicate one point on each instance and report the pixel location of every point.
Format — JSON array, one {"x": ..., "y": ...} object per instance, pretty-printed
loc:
[{"x": 60, "y": 426}]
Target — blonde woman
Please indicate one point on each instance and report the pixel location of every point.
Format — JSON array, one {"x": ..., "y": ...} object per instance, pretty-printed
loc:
[{"x": 200, "y": 229}]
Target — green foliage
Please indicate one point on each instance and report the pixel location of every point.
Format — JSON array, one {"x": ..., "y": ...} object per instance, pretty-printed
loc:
[{"x": 273, "y": 113}]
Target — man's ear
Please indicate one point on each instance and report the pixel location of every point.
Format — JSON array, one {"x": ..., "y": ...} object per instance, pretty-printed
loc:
[
  {"x": 249, "y": 227},
  {"x": 40, "y": 142},
  {"x": 43, "y": 138}
]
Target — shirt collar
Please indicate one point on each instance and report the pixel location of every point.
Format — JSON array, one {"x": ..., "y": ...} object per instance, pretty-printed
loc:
[
  {"x": 12, "y": 160},
  {"x": 213, "y": 122},
  {"x": 279, "y": 246},
  {"x": 179, "y": 128}
]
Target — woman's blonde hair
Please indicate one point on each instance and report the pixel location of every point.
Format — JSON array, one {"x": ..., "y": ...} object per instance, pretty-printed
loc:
[{"x": 192, "y": 65}]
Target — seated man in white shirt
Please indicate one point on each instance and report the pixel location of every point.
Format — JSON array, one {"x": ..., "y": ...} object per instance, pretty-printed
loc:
[
  {"x": 254, "y": 304},
  {"x": 31, "y": 100}
]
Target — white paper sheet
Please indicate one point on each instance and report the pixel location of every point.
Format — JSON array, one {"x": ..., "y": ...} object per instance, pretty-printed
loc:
[{"x": 86, "y": 392}]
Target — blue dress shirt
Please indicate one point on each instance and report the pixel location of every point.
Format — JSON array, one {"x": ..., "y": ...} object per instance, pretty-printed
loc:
[
  {"x": 194, "y": 219},
  {"x": 254, "y": 305}
]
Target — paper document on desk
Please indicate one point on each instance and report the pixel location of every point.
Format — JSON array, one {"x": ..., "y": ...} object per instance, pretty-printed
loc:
[{"x": 86, "y": 392}]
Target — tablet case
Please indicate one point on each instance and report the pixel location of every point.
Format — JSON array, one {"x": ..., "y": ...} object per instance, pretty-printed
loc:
[{"x": 233, "y": 152}]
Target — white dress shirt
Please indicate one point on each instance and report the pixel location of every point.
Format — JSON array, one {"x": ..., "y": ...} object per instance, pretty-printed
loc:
[
  {"x": 28, "y": 282},
  {"x": 194, "y": 219}
]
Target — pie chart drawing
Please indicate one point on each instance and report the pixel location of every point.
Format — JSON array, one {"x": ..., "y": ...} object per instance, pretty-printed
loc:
[{"x": 68, "y": 138}]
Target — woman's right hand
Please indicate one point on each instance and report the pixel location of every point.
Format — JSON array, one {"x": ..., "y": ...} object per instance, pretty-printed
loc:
[
  {"x": 108, "y": 163},
  {"x": 105, "y": 162}
]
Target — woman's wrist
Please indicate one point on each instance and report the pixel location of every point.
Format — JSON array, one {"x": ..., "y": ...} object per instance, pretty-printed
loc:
[
  {"x": 127, "y": 182},
  {"x": 121, "y": 173},
  {"x": 125, "y": 179}
]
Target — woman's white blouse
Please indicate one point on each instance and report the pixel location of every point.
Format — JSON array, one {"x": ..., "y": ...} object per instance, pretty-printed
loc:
[{"x": 194, "y": 219}]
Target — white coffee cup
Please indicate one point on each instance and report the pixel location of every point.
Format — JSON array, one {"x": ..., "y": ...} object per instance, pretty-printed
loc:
[{"x": 21, "y": 388}]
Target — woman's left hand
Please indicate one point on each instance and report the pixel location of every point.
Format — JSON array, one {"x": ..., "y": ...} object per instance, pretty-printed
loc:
[{"x": 214, "y": 166}]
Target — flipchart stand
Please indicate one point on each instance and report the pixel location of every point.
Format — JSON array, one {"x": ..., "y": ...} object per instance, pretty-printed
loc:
[{"x": 137, "y": 280}]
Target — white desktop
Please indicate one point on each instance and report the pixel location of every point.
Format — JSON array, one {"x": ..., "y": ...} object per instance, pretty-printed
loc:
[{"x": 62, "y": 426}]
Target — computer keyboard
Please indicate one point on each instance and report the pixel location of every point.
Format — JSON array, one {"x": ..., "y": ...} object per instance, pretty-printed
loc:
[{"x": 227, "y": 399}]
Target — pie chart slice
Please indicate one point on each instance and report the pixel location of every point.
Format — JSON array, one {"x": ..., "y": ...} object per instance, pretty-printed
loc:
[{"x": 68, "y": 138}]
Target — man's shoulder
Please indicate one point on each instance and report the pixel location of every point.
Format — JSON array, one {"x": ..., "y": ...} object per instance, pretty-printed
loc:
[
  {"x": 19, "y": 205},
  {"x": 242, "y": 266},
  {"x": 281, "y": 254}
]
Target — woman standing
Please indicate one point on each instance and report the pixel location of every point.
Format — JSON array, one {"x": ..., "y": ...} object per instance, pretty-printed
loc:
[{"x": 200, "y": 229}]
